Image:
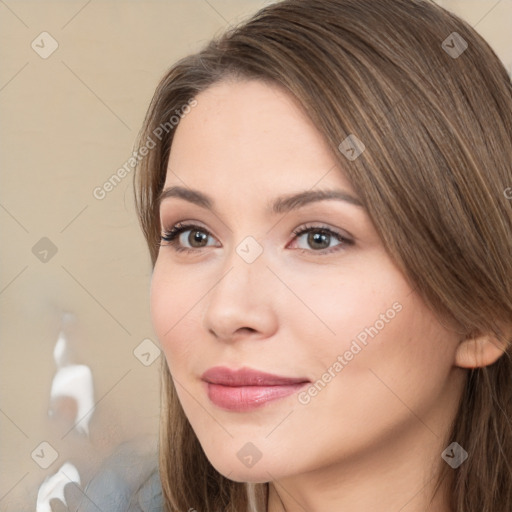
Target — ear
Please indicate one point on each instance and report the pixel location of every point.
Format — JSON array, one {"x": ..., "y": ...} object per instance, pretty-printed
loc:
[{"x": 478, "y": 351}]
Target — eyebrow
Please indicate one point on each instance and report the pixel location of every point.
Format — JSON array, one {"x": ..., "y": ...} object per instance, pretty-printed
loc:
[{"x": 280, "y": 205}]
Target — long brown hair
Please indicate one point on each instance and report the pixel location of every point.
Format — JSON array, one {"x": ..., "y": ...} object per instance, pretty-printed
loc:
[{"x": 432, "y": 104}]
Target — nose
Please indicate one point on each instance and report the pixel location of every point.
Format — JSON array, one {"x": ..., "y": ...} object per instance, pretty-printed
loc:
[{"x": 241, "y": 302}]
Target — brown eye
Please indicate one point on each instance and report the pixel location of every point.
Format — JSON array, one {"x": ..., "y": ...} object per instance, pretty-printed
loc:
[
  {"x": 319, "y": 239},
  {"x": 197, "y": 237}
]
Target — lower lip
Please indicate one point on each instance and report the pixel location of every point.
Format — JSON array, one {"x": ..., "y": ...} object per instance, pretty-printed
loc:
[{"x": 245, "y": 398}]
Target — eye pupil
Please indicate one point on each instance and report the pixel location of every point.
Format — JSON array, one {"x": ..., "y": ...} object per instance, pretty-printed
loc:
[{"x": 315, "y": 238}]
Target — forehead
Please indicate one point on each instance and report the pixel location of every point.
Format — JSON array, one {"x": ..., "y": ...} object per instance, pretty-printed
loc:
[{"x": 250, "y": 131}]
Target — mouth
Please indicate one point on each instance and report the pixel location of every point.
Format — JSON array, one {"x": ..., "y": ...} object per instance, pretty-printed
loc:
[{"x": 246, "y": 389}]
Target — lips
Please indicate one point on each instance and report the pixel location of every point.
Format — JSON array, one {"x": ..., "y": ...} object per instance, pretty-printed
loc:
[
  {"x": 246, "y": 389},
  {"x": 247, "y": 377}
]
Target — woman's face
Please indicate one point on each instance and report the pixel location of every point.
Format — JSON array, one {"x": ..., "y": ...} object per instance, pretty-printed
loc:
[{"x": 328, "y": 307}]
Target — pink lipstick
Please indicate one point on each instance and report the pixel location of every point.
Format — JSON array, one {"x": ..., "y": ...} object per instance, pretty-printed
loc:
[{"x": 246, "y": 389}]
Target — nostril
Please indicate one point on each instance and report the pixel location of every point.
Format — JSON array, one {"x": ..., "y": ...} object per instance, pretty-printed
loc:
[{"x": 250, "y": 329}]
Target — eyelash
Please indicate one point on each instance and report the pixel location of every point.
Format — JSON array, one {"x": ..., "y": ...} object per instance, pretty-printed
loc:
[{"x": 171, "y": 237}]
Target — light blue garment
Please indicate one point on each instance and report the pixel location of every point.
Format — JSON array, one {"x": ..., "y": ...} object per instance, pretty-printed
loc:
[{"x": 127, "y": 481}]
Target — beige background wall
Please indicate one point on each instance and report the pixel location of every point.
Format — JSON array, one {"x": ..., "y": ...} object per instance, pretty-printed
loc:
[{"x": 68, "y": 122}]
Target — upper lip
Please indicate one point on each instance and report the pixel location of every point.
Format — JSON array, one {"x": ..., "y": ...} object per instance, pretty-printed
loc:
[{"x": 247, "y": 377}]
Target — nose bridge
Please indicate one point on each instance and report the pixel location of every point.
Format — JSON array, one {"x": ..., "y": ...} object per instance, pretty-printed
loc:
[
  {"x": 240, "y": 298},
  {"x": 245, "y": 266}
]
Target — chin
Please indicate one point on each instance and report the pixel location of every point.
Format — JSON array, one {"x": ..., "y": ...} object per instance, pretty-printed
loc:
[
  {"x": 248, "y": 477},
  {"x": 255, "y": 475}
]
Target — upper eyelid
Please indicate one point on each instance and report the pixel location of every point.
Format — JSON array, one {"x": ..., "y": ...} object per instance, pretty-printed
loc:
[{"x": 192, "y": 224}]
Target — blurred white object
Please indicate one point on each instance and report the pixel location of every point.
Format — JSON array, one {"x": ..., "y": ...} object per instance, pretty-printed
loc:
[
  {"x": 72, "y": 381},
  {"x": 53, "y": 486},
  {"x": 75, "y": 382},
  {"x": 60, "y": 351},
  {"x": 63, "y": 354}
]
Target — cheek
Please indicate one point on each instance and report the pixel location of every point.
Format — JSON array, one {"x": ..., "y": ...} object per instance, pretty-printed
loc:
[
  {"x": 376, "y": 322},
  {"x": 364, "y": 306},
  {"x": 162, "y": 307},
  {"x": 172, "y": 313},
  {"x": 406, "y": 360}
]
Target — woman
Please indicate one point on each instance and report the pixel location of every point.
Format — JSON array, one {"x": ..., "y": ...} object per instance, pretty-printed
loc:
[{"x": 323, "y": 191}]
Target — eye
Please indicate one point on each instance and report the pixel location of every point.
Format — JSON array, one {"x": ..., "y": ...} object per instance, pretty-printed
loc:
[
  {"x": 197, "y": 235},
  {"x": 320, "y": 238}
]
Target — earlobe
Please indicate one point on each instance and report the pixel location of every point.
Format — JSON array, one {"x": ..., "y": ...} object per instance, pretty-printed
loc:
[{"x": 479, "y": 351}]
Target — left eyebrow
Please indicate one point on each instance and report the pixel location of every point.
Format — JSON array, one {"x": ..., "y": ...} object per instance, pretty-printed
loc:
[
  {"x": 280, "y": 205},
  {"x": 294, "y": 201}
]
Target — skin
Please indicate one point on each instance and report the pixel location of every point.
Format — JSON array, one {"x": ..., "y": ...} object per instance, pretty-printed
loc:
[{"x": 371, "y": 439}]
